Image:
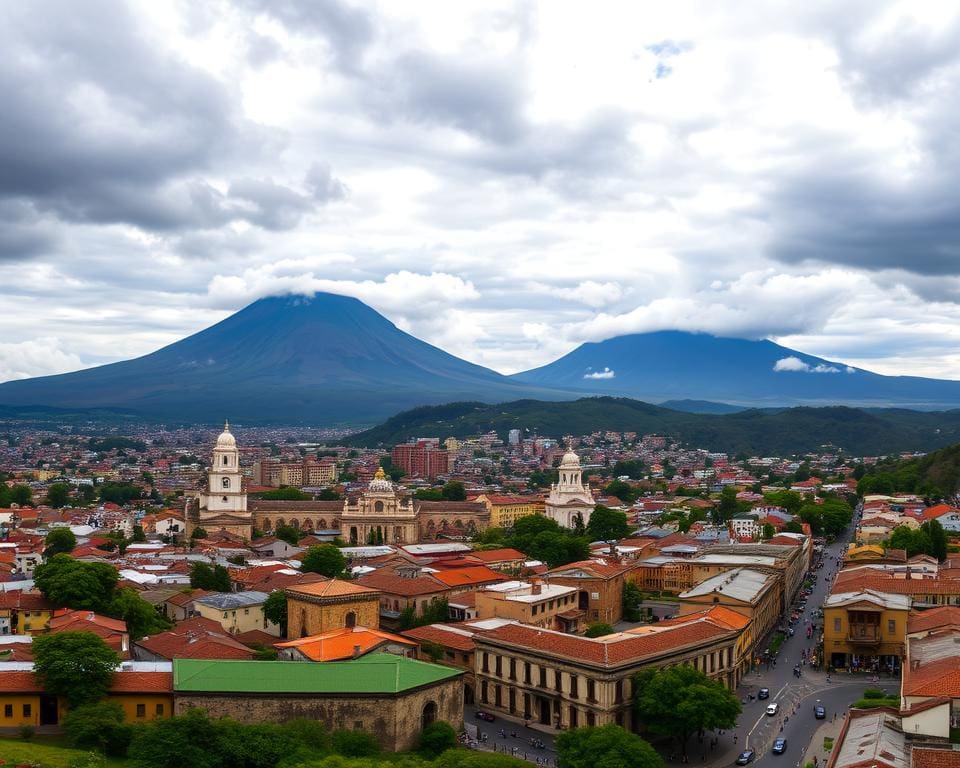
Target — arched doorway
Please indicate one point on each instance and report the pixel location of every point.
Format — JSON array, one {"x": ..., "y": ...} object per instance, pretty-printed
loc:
[
  {"x": 350, "y": 620},
  {"x": 467, "y": 696},
  {"x": 353, "y": 534},
  {"x": 428, "y": 715}
]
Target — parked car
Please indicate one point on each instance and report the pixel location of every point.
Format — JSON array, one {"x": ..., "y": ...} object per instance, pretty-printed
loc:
[
  {"x": 745, "y": 757},
  {"x": 481, "y": 715},
  {"x": 819, "y": 712},
  {"x": 772, "y": 709},
  {"x": 763, "y": 693},
  {"x": 779, "y": 746}
]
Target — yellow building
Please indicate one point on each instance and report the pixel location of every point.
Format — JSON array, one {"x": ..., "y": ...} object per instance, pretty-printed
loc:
[
  {"x": 506, "y": 510},
  {"x": 322, "y": 606},
  {"x": 24, "y": 613},
  {"x": 865, "y": 630},
  {"x": 144, "y": 696},
  {"x": 236, "y": 612},
  {"x": 552, "y": 606}
]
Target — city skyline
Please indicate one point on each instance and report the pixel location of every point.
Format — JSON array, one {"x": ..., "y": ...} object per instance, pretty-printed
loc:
[{"x": 503, "y": 183}]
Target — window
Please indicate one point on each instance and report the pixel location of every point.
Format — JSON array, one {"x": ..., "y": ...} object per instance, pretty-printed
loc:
[
  {"x": 573, "y": 717},
  {"x": 618, "y": 691},
  {"x": 27, "y": 710},
  {"x": 558, "y": 681},
  {"x": 513, "y": 669},
  {"x": 450, "y": 655},
  {"x": 246, "y": 611},
  {"x": 499, "y": 665},
  {"x": 141, "y": 710},
  {"x": 891, "y": 626},
  {"x": 526, "y": 672},
  {"x": 8, "y": 710},
  {"x": 836, "y": 624},
  {"x": 159, "y": 710},
  {"x": 486, "y": 662},
  {"x": 543, "y": 677},
  {"x": 591, "y": 690},
  {"x": 226, "y": 460},
  {"x": 226, "y": 482},
  {"x": 574, "y": 693}
]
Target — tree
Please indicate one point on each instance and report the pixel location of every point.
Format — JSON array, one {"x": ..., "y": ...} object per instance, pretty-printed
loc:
[
  {"x": 938, "y": 539},
  {"x": 187, "y": 741},
  {"x": 632, "y": 597},
  {"x": 454, "y": 491},
  {"x": 59, "y": 540},
  {"x": 141, "y": 617},
  {"x": 325, "y": 559},
  {"x": 212, "y": 578},
  {"x": 608, "y": 746},
  {"x": 69, "y": 582},
  {"x": 599, "y": 629},
  {"x": 275, "y": 609},
  {"x": 22, "y": 495},
  {"x": 198, "y": 533},
  {"x": 285, "y": 494},
  {"x": 138, "y": 534},
  {"x": 768, "y": 531},
  {"x": 328, "y": 494},
  {"x": 428, "y": 494},
  {"x": 793, "y": 527},
  {"x": 288, "y": 534},
  {"x": 436, "y": 739},
  {"x": 728, "y": 506},
  {"x": 607, "y": 524},
  {"x": 76, "y": 665},
  {"x": 681, "y": 701},
  {"x": 58, "y": 495},
  {"x": 98, "y": 726},
  {"x": 623, "y": 491}
]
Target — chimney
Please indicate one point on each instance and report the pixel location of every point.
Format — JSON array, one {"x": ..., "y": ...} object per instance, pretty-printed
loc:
[
  {"x": 613, "y": 548},
  {"x": 356, "y": 651},
  {"x": 535, "y": 587}
]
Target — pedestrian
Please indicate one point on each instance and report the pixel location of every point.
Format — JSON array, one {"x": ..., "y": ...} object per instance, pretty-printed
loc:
[{"x": 734, "y": 738}]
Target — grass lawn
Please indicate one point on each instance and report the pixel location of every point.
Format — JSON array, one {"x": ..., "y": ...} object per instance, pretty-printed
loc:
[
  {"x": 827, "y": 743},
  {"x": 46, "y": 751}
]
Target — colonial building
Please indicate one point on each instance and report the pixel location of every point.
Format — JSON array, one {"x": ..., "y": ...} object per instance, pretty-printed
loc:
[
  {"x": 506, "y": 510},
  {"x": 323, "y": 606},
  {"x": 865, "y": 630},
  {"x": 569, "y": 498},
  {"x": 380, "y": 515},
  {"x": 567, "y": 681},
  {"x": 599, "y": 584},
  {"x": 222, "y": 506}
]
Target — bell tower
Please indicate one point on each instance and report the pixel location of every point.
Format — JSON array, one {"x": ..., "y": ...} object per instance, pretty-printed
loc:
[{"x": 224, "y": 481}]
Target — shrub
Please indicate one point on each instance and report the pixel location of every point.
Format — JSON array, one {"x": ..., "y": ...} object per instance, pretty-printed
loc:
[
  {"x": 27, "y": 732},
  {"x": 874, "y": 693},
  {"x": 355, "y": 744},
  {"x": 98, "y": 726},
  {"x": 436, "y": 739}
]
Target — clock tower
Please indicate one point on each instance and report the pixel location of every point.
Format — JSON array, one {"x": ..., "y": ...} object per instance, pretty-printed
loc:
[{"x": 223, "y": 505}]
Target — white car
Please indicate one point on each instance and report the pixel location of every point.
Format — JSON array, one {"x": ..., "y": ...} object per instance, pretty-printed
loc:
[{"x": 772, "y": 709}]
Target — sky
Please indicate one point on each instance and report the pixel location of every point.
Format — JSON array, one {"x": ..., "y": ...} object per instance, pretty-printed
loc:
[{"x": 505, "y": 181}]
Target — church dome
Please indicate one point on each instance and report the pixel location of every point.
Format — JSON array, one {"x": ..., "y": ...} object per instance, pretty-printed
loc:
[
  {"x": 380, "y": 484},
  {"x": 570, "y": 460},
  {"x": 226, "y": 440}
]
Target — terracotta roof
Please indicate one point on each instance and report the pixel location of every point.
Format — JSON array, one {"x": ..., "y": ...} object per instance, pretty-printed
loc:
[
  {"x": 935, "y": 678},
  {"x": 469, "y": 576},
  {"x": 330, "y": 588},
  {"x": 933, "y": 618},
  {"x": 183, "y": 599},
  {"x": 937, "y": 510},
  {"x": 70, "y": 619},
  {"x": 611, "y": 649},
  {"x": 718, "y": 614},
  {"x": 496, "y": 555},
  {"x": 444, "y": 635},
  {"x": 601, "y": 570},
  {"x": 25, "y": 601},
  {"x": 859, "y": 581},
  {"x": 192, "y": 642},
  {"x": 256, "y": 637},
  {"x": 921, "y": 757},
  {"x": 389, "y": 582},
  {"x": 341, "y": 643},
  {"x": 123, "y": 682}
]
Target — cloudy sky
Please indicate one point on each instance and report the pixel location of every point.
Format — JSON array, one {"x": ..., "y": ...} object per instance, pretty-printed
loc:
[{"x": 504, "y": 182}]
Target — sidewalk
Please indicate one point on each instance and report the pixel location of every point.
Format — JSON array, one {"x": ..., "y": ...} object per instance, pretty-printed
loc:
[{"x": 828, "y": 729}]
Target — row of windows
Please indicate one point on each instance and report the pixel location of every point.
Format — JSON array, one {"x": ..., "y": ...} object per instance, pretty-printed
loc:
[
  {"x": 558, "y": 602},
  {"x": 27, "y": 710},
  {"x": 543, "y": 677}
]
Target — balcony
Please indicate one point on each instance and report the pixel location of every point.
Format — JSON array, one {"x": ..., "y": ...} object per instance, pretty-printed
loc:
[{"x": 866, "y": 634}]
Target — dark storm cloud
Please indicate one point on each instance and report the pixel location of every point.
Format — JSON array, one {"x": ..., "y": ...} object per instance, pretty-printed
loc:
[
  {"x": 268, "y": 205},
  {"x": 347, "y": 30},
  {"x": 23, "y": 234}
]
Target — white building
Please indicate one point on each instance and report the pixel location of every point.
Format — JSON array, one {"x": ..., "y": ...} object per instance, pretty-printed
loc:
[{"x": 569, "y": 497}]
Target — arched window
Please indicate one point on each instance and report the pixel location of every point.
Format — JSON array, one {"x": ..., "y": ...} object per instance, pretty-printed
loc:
[
  {"x": 429, "y": 714},
  {"x": 350, "y": 620},
  {"x": 322, "y": 524},
  {"x": 226, "y": 460},
  {"x": 226, "y": 482},
  {"x": 224, "y": 499},
  {"x": 378, "y": 506}
]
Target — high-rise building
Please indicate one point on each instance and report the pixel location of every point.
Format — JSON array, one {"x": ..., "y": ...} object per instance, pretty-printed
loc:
[
  {"x": 421, "y": 459},
  {"x": 513, "y": 437}
]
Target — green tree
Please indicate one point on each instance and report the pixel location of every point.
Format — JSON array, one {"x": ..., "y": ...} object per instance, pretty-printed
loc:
[
  {"x": 793, "y": 527},
  {"x": 284, "y": 494},
  {"x": 607, "y": 524},
  {"x": 328, "y": 494},
  {"x": 681, "y": 701},
  {"x": 436, "y": 739},
  {"x": 98, "y": 726},
  {"x": 623, "y": 491},
  {"x": 599, "y": 629},
  {"x": 58, "y": 495},
  {"x": 789, "y": 500},
  {"x": 141, "y": 617},
  {"x": 632, "y": 468},
  {"x": 608, "y": 746},
  {"x": 938, "y": 539},
  {"x": 325, "y": 559},
  {"x": 76, "y": 665},
  {"x": 22, "y": 495},
  {"x": 68, "y": 582},
  {"x": 214, "y": 578},
  {"x": 768, "y": 531},
  {"x": 187, "y": 741},
  {"x": 632, "y": 597},
  {"x": 59, "y": 540},
  {"x": 728, "y": 506},
  {"x": 275, "y": 609},
  {"x": 288, "y": 534},
  {"x": 454, "y": 491},
  {"x": 198, "y": 533}
]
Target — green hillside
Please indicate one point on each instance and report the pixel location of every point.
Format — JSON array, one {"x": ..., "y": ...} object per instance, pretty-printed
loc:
[{"x": 764, "y": 432}]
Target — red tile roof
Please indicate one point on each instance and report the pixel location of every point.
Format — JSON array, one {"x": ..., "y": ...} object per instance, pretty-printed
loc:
[
  {"x": 443, "y": 635},
  {"x": 123, "y": 682},
  {"x": 933, "y": 618},
  {"x": 921, "y": 757},
  {"x": 936, "y": 678},
  {"x": 469, "y": 576},
  {"x": 342, "y": 643}
]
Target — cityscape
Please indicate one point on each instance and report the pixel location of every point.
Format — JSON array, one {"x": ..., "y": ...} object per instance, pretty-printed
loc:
[{"x": 479, "y": 385}]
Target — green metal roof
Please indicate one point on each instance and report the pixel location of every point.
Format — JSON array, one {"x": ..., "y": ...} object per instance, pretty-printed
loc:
[{"x": 373, "y": 673}]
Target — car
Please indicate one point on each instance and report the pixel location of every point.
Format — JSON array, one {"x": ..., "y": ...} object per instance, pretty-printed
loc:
[
  {"x": 745, "y": 757},
  {"x": 481, "y": 715},
  {"x": 779, "y": 746},
  {"x": 772, "y": 709},
  {"x": 763, "y": 693},
  {"x": 819, "y": 712}
]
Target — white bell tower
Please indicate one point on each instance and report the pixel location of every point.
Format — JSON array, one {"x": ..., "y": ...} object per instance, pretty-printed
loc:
[{"x": 225, "y": 483}]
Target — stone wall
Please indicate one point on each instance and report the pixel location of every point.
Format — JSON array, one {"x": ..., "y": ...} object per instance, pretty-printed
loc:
[{"x": 305, "y": 618}]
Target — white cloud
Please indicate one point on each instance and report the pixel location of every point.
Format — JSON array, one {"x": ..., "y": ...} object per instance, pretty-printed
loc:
[
  {"x": 38, "y": 357},
  {"x": 792, "y": 363},
  {"x": 606, "y": 373}
]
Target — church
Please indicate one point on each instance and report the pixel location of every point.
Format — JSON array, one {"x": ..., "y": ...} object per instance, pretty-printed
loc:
[
  {"x": 380, "y": 513},
  {"x": 569, "y": 497}
]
